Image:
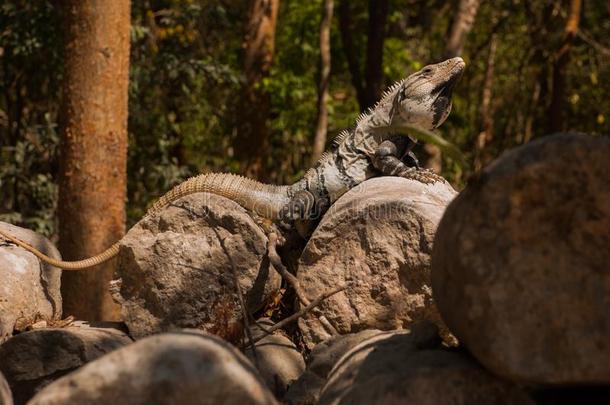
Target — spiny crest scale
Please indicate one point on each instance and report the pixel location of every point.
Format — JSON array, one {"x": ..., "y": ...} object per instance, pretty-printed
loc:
[{"x": 384, "y": 99}]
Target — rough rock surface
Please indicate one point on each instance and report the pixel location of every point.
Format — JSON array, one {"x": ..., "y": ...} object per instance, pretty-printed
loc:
[
  {"x": 521, "y": 263},
  {"x": 31, "y": 360},
  {"x": 175, "y": 273},
  {"x": 279, "y": 361},
  {"x": 306, "y": 390},
  {"x": 409, "y": 368},
  {"x": 174, "y": 368},
  {"x": 377, "y": 238},
  {"x": 29, "y": 290},
  {"x": 5, "y": 392}
]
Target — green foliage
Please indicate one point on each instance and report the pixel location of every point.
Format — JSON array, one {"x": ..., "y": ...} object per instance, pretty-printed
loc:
[{"x": 29, "y": 83}]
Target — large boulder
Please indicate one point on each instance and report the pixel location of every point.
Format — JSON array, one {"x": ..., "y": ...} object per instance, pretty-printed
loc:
[
  {"x": 174, "y": 368},
  {"x": 521, "y": 263},
  {"x": 6, "y": 398},
  {"x": 29, "y": 290},
  {"x": 377, "y": 239},
  {"x": 277, "y": 358},
  {"x": 411, "y": 368},
  {"x": 175, "y": 273},
  {"x": 34, "y": 359},
  {"x": 306, "y": 390}
]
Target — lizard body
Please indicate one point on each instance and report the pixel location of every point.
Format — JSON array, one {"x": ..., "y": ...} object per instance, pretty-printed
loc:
[{"x": 368, "y": 150}]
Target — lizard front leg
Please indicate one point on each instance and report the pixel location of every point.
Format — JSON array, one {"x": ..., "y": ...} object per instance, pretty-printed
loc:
[
  {"x": 303, "y": 212},
  {"x": 386, "y": 160}
]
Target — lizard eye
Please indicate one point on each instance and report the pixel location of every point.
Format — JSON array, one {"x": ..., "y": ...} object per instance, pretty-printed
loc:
[{"x": 427, "y": 70}]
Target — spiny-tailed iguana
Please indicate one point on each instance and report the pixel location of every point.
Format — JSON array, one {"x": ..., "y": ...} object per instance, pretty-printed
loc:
[{"x": 370, "y": 149}]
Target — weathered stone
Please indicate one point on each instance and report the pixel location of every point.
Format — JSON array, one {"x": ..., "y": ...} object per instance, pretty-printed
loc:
[
  {"x": 377, "y": 238},
  {"x": 306, "y": 390},
  {"x": 6, "y": 398},
  {"x": 521, "y": 263},
  {"x": 409, "y": 368},
  {"x": 175, "y": 273},
  {"x": 173, "y": 368},
  {"x": 32, "y": 360},
  {"x": 29, "y": 290},
  {"x": 278, "y": 360}
]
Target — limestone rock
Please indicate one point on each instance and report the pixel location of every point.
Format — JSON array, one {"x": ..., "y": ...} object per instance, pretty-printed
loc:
[
  {"x": 279, "y": 361},
  {"x": 29, "y": 290},
  {"x": 6, "y": 397},
  {"x": 377, "y": 238},
  {"x": 175, "y": 273},
  {"x": 32, "y": 360},
  {"x": 410, "y": 368},
  {"x": 521, "y": 263},
  {"x": 306, "y": 390},
  {"x": 183, "y": 368}
]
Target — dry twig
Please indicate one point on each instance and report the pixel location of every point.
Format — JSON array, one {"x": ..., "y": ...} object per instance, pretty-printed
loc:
[
  {"x": 312, "y": 305},
  {"x": 240, "y": 295},
  {"x": 277, "y": 264}
]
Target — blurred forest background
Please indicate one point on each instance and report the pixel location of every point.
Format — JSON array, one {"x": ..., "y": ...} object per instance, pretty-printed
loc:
[{"x": 200, "y": 100}]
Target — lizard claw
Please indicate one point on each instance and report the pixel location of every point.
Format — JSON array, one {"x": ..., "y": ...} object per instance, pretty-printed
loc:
[{"x": 425, "y": 176}]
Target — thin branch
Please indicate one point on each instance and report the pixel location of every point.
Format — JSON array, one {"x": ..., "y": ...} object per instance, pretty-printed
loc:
[
  {"x": 589, "y": 40},
  {"x": 242, "y": 303},
  {"x": 312, "y": 305},
  {"x": 277, "y": 264}
]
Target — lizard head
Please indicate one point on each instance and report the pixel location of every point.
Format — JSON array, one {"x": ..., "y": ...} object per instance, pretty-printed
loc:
[{"x": 424, "y": 98}]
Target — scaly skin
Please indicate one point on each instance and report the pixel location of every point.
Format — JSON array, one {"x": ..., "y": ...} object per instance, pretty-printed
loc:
[{"x": 368, "y": 150}]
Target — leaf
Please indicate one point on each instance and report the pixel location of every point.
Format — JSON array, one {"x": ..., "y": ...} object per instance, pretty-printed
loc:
[{"x": 430, "y": 137}]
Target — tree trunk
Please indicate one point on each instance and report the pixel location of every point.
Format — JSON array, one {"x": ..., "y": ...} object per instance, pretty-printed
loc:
[
  {"x": 349, "y": 48},
  {"x": 562, "y": 58},
  {"x": 325, "y": 64},
  {"x": 92, "y": 178},
  {"x": 369, "y": 88},
  {"x": 461, "y": 26},
  {"x": 486, "y": 127},
  {"x": 373, "y": 74},
  {"x": 252, "y": 141}
]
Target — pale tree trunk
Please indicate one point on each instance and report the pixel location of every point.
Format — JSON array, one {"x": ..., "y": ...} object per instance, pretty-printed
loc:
[
  {"x": 460, "y": 27},
  {"x": 325, "y": 65},
  {"x": 561, "y": 61},
  {"x": 486, "y": 134},
  {"x": 529, "y": 120},
  {"x": 252, "y": 141},
  {"x": 92, "y": 178}
]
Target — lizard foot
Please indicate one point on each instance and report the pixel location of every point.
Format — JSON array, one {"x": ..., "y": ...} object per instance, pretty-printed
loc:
[
  {"x": 425, "y": 176},
  {"x": 300, "y": 207}
]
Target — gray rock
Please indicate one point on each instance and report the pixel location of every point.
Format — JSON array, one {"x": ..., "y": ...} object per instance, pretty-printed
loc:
[
  {"x": 183, "y": 368},
  {"x": 32, "y": 360},
  {"x": 521, "y": 263},
  {"x": 29, "y": 291},
  {"x": 306, "y": 390},
  {"x": 410, "y": 368},
  {"x": 377, "y": 238},
  {"x": 175, "y": 274},
  {"x": 6, "y": 398},
  {"x": 279, "y": 361}
]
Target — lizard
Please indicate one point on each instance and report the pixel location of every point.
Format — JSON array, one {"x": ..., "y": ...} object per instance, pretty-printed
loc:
[{"x": 370, "y": 149}]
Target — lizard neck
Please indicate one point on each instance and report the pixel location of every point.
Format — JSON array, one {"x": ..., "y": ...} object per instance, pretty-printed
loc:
[{"x": 376, "y": 121}]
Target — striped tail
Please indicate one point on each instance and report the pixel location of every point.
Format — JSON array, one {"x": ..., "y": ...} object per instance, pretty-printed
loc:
[{"x": 264, "y": 199}]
